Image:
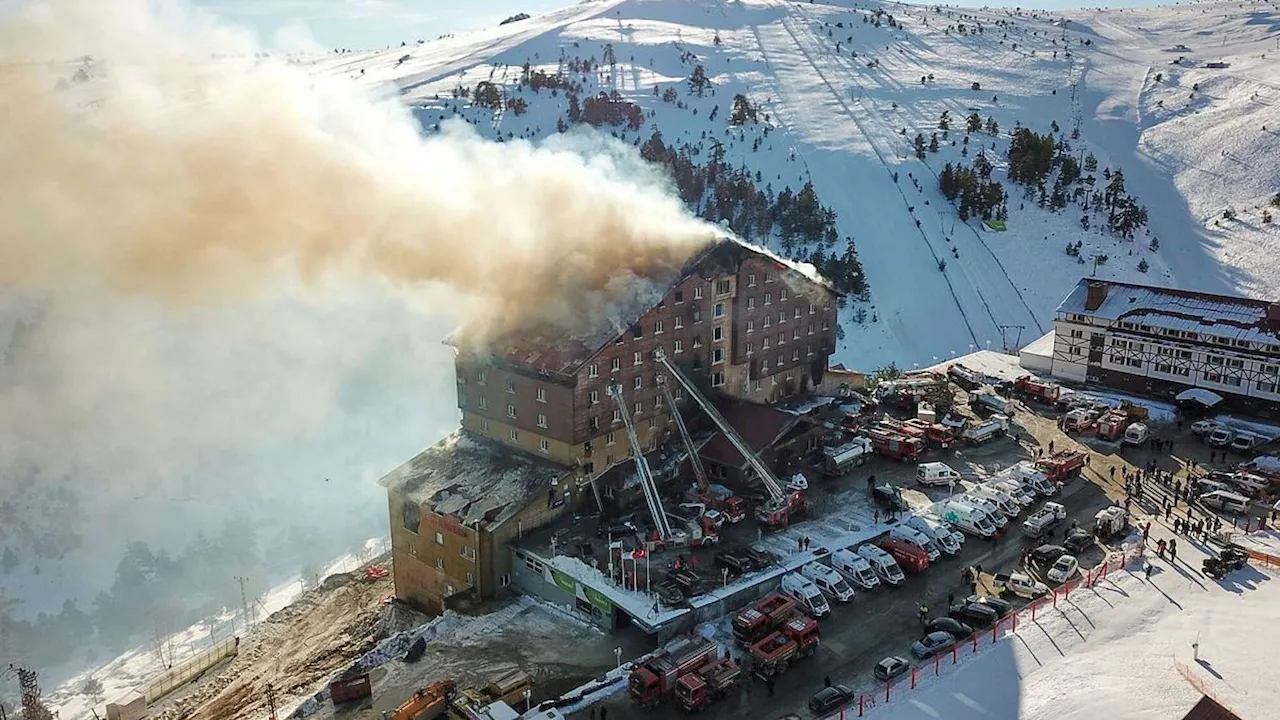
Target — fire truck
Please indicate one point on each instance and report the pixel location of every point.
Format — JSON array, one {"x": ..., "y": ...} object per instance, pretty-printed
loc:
[
  {"x": 795, "y": 640},
  {"x": 1060, "y": 465},
  {"x": 1112, "y": 425},
  {"x": 1039, "y": 390},
  {"x": 894, "y": 445},
  {"x": 935, "y": 434},
  {"x": 707, "y": 684},
  {"x": 721, "y": 498},
  {"x": 764, "y": 617},
  {"x": 657, "y": 678}
]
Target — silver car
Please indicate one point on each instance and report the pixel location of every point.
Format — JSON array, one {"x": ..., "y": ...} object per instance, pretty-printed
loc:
[{"x": 932, "y": 644}]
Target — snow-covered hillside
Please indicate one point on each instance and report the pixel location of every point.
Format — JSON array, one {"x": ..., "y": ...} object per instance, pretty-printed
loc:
[{"x": 842, "y": 90}]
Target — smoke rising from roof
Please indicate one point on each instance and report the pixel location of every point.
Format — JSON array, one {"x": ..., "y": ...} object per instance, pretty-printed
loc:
[{"x": 213, "y": 256}]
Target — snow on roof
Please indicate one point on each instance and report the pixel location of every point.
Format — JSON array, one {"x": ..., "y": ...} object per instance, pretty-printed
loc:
[
  {"x": 474, "y": 479},
  {"x": 1237, "y": 318},
  {"x": 991, "y": 364},
  {"x": 1204, "y": 397},
  {"x": 1042, "y": 345}
]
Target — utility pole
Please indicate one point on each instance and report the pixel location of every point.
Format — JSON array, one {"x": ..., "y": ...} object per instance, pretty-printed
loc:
[
  {"x": 271, "y": 701},
  {"x": 244, "y": 601}
]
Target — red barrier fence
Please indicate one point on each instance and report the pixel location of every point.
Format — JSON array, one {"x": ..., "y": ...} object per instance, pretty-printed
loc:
[{"x": 1002, "y": 628}]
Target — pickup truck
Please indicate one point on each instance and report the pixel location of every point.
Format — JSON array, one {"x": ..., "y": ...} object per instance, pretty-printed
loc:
[
  {"x": 1020, "y": 585},
  {"x": 1044, "y": 519}
]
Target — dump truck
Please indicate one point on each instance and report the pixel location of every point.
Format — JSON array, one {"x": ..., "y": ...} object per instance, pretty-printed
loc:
[
  {"x": 708, "y": 684},
  {"x": 764, "y": 617},
  {"x": 795, "y": 640},
  {"x": 1038, "y": 390},
  {"x": 1061, "y": 465},
  {"x": 429, "y": 703},
  {"x": 1045, "y": 519},
  {"x": 657, "y": 678},
  {"x": 837, "y": 461},
  {"x": 895, "y": 445},
  {"x": 996, "y": 427}
]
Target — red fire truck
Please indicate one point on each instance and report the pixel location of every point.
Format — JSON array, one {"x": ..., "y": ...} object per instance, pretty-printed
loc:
[
  {"x": 762, "y": 618},
  {"x": 1060, "y": 465},
  {"x": 795, "y": 640},
  {"x": 894, "y": 445},
  {"x": 911, "y": 558},
  {"x": 1040, "y": 390},
  {"x": 708, "y": 684},
  {"x": 657, "y": 678}
]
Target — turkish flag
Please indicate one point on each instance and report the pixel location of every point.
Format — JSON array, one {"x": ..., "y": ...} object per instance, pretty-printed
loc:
[{"x": 638, "y": 553}]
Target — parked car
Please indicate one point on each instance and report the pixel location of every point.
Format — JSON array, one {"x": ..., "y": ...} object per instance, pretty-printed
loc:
[
  {"x": 1001, "y": 606},
  {"x": 890, "y": 668},
  {"x": 932, "y": 644},
  {"x": 1045, "y": 555},
  {"x": 978, "y": 615},
  {"x": 889, "y": 497},
  {"x": 949, "y": 625},
  {"x": 1205, "y": 427},
  {"x": 1222, "y": 437},
  {"x": 1078, "y": 541},
  {"x": 1062, "y": 570},
  {"x": 735, "y": 563},
  {"x": 828, "y": 700},
  {"x": 1019, "y": 584}
]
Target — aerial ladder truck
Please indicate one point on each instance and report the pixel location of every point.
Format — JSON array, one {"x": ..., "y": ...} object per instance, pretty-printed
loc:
[
  {"x": 781, "y": 505},
  {"x": 647, "y": 484},
  {"x": 712, "y": 496}
]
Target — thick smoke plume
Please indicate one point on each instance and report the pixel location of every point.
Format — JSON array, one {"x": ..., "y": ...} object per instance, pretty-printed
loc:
[
  {"x": 223, "y": 282},
  {"x": 148, "y": 167}
]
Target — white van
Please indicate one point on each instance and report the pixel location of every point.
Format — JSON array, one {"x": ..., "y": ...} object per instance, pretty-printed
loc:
[
  {"x": 1002, "y": 499},
  {"x": 1204, "y": 485},
  {"x": 1014, "y": 489},
  {"x": 910, "y": 535},
  {"x": 936, "y": 473},
  {"x": 883, "y": 563},
  {"x": 806, "y": 594},
  {"x": 830, "y": 582},
  {"x": 1136, "y": 434},
  {"x": 989, "y": 506},
  {"x": 1249, "y": 483},
  {"x": 947, "y": 540},
  {"x": 1026, "y": 473},
  {"x": 1225, "y": 501},
  {"x": 1246, "y": 441},
  {"x": 1222, "y": 437},
  {"x": 854, "y": 568},
  {"x": 968, "y": 518}
]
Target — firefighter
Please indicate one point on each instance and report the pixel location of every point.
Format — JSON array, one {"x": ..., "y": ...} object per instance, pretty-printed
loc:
[{"x": 924, "y": 614}]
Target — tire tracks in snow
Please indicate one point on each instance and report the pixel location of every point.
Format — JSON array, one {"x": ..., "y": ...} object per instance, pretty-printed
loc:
[
  {"x": 783, "y": 16},
  {"x": 976, "y": 235}
]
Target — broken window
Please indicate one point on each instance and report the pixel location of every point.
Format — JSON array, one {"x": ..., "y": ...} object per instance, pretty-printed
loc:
[{"x": 411, "y": 515}]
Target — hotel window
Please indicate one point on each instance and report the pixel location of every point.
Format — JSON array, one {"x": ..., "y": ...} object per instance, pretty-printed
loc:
[
  {"x": 717, "y": 356},
  {"x": 809, "y": 350},
  {"x": 593, "y": 371},
  {"x": 482, "y": 402},
  {"x": 439, "y": 563},
  {"x": 511, "y": 411},
  {"x": 482, "y": 377},
  {"x": 766, "y": 344},
  {"x": 767, "y": 323},
  {"x": 782, "y": 316},
  {"x": 717, "y": 379},
  {"x": 439, "y": 538},
  {"x": 795, "y": 334},
  {"x": 751, "y": 326},
  {"x": 751, "y": 280},
  {"x": 679, "y": 348},
  {"x": 826, "y": 324},
  {"x": 782, "y": 296},
  {"x": 810, "y": 328},
  {"x": 544, "y": 446},
  {"x": 768, "y": 298},
  {"x": 697, "y": 341},
  {"x": 637, "y": 358},
  {"x": 679, "y": 297},
  {"x": 751, "y": 303},
  {"x": 468, "y": 552},
  {"x": 812, "y": 309},
  {"x": 511, "y": 386},
  {"x": 1265, "y": 386},
  {"x": 678, "y": 394},
  {"x": 717, "y": 334},
  {"x": 722, "y": 287},
  {"x": 780, "y": 362},
  {"x": 611, "y": 438},
  {"x": 795, "y": 355},
  {"x": 639, "y": 383},
  {"x": 657, "y": 327},
  {"x": 617, "y": 415},
  {"x": 514, "y": 435},
  {"x": 542, "y": 395},
  {"x": 679, "y": 322},
  {"x": 797, "y": 314},
  {"x": 749, "y": 349},
  {"x": 595, "y": 397},
  {"x": 413, "y": 549},
  {"x": 542, "y": 420},
  {"x": 782, "y": 338},
  {"x": 697, "y": 293},
  {"x": 639, "y": 408},
  {"x": 616, "y": 365},
  {"x": 768, "y": 277},
  {"x": 595, "y": 423},
  {"x": 718, "y": 310}
]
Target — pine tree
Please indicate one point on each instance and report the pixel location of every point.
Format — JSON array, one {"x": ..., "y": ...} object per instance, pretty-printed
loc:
[
  {"x": 919, "y": 146},
  {"x": 698, "y": 80},
  {"x": 973, "y": 122},
  {"x": 933, "y": 143}
]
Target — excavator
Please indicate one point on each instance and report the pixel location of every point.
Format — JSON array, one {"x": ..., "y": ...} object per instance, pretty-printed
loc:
[{"x": 429, "y": 703}]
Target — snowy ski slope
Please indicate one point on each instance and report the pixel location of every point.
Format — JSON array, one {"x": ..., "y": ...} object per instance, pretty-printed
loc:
[{"x": 833, "y": 118}]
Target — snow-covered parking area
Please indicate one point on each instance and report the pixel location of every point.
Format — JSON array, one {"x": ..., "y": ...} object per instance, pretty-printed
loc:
[{"x": 1124, "y": 649}]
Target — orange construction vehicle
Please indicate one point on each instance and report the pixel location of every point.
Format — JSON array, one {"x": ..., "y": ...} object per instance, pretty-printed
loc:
[
  {"x": 764, "y": 617},
  {"x": 1060, "y": 465},
  {"x": 657, "y": 678},
  {"x": 707, "y": 684},
  {"x": 895, "y": 445},
  {"x": 795, "y": 640},
  {"x": 429, "y": 703}
]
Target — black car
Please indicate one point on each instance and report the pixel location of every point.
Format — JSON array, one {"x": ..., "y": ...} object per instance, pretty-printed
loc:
[
  {"x": 735, "y": 563},
  {"x": 1000, "y": 605},
  {"x": 1078, "y": 541},
  {"x": 617, "y": 530},
  {"x": 759, "y": 558},
  {"x": 1046, "y": 555},
  {"x": 889, "y": 497},
  {"x": 829, "y": 699},
  {"x": 949, "y": 625},
  {"x": 978, "y": 615},
  {"x": 670, "y": 594}
]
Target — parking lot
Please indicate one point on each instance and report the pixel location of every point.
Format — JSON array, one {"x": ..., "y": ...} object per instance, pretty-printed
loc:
[{"x": 885, "y": 621}]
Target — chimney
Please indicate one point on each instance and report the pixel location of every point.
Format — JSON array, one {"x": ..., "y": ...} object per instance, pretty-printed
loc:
[
  {"x": 1273, "y": 315},
  {"x": 1095, "y": 295}
]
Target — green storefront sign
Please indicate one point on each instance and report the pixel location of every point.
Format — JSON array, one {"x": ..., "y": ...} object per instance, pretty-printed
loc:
[
  {"x": 595, "y": 598},
  {"x": 565, "y": 582}
]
